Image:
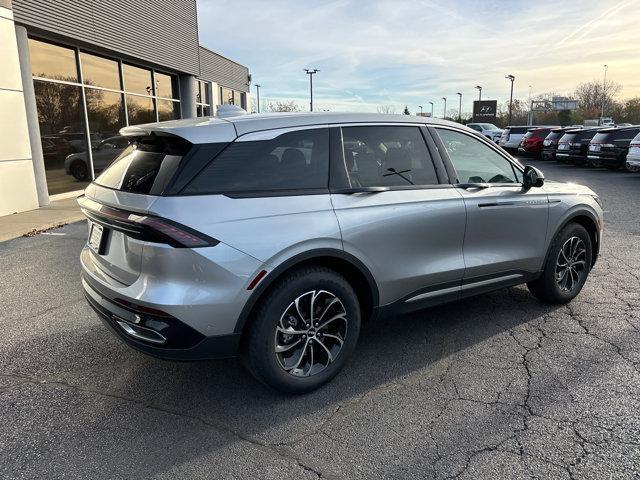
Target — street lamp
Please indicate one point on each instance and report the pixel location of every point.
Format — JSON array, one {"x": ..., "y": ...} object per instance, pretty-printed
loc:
[
  {"x": 420, "y": 107},
  {"x": 511, "y": 78},
  {"x": 604, "y": 93},
  {"x": 445, "y": 108},
  {"x": 460, "y": 108},
  {"x": 530, "y": 116},
  {"x": 479, "y": 92},
  {"x": 258, "y": 96},
  {"x": 311, "y": 73},
  {"x": 431, "y": 109}
]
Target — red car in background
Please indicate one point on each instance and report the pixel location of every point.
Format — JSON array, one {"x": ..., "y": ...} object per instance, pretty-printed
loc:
[{"x": 532, "y": 142}]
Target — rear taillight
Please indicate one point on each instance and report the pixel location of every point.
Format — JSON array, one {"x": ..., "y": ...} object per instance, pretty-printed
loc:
[{"x": 148, "y": 228}]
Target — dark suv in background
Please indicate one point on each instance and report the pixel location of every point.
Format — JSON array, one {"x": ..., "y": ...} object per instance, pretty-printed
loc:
[
  {"x": 533, "y": 140},
  {"x": 609, "y": 147},
  {"x": 573, "y": 145},
  {"x": 550, "y": 143}
]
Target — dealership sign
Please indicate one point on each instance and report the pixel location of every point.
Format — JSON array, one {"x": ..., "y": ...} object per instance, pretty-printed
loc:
[{"x": 485, "y": 110}]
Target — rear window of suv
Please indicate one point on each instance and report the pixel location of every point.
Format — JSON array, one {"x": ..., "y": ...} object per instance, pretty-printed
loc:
[
  {"x": 145, "y": 166},
  {"x": 291, "y": 161}
]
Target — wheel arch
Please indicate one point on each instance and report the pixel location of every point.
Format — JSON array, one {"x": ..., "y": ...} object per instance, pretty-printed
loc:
[
  {"x": 589, "y": 222},
  {"x": 342, "y": 262}
]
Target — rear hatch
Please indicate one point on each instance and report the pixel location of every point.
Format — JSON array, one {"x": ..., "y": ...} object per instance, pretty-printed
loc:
[
  {"x": 118, "y": 205},
  {"x": 551, "y": 140}
]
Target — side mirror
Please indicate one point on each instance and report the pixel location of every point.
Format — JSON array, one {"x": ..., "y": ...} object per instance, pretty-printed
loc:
[{"x": 532, "y": 177}]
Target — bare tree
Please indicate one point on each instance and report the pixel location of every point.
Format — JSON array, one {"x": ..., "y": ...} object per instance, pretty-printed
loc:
[
  {"x": 590, "y": 95},
  {"x": 388, "y": 109},
  {"x": 282, "y": 106}
]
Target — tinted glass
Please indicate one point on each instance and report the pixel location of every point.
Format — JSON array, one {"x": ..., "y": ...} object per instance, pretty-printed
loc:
[
  {"x": 625, "y": 136},
  {"x": 585, "y": 135},
  {"x": 387, "y": 156},
  {"x": 145, "y": 166},
  {"x": 140, "y": 110},
  {"x": 226, "y": 96},
  {"x": 165, "y": 86},
  {"x": 554, "y": 135},
  {"x": 52, "y": 61},
  {"x": 105, "y": 111},
  {"x": 137, "y": 80},
  {"x": 168, "y": 110},
  {"x": 518, "y": 130},
  {"x": 291, "y": 161},
  {"x": 99, "y": 71},
  {"x": 474, "y": 161},
  {"x": 238, "y": 99},
  {"x": 63, "y": 133}
]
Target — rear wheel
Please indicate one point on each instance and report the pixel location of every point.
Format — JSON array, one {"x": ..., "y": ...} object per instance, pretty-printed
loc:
[
  {"x": 303, "y": 331},
  {"x": 79, "y": 170},
  {"x": 566, "y": 268}
]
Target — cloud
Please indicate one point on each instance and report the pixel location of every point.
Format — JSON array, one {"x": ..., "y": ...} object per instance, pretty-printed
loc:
[{"x": 408, "y": 53}]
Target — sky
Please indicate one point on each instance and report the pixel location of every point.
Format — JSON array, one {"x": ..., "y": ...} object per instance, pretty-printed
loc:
[{"x": 398, "y": 53}]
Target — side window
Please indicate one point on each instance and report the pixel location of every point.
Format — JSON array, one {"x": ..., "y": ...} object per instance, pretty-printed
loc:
[
  {"x": 477, "y": 128},
  {"x": 387, "y": 156},
  {"x": 291, "y": 161},
  {"x": 474, "y": 161}
]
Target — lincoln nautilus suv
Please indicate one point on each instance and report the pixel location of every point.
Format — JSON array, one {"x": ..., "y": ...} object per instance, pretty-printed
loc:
[{"x": 275, "y": 237}]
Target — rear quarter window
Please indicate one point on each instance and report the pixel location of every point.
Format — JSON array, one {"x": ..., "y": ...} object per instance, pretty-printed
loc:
[{"x": 291, "y": 161}]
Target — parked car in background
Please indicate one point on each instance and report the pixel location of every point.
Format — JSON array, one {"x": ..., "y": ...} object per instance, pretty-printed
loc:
[
  {"x": 609, "y": 147},
  {"x": 267, "y": 236},
  {"x": 550, "y": 143},
  {"x": 512, "y": 136},
  {"x": 633, "y": 157},
  {"x": 532, "y": 141},
  {"x": 489, "y": 130},
  {"x": 574, "y": 144},
  {"x": 55, "y": 149},
  {"x": 77, "y": 164}
]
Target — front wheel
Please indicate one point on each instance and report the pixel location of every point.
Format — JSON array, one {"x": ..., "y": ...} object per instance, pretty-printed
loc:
[
  {"x": 566, "y": 268},
  {"x": 303, "y": 331}
]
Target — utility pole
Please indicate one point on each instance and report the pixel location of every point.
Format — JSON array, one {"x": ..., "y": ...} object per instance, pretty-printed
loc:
[
  {"x": 258, "y": 96},
  {"x": 511, "y": 78},
  {"x": 445, "y": 107},
  {"x": 604, "y": 94},
  {"x": 460, "y": 108},
  {"x": 479, "y": 92},
  {"x": 530, "y": 116},
  {"x": 311, "y": 73},
  {"x": 431, "y": 109}
]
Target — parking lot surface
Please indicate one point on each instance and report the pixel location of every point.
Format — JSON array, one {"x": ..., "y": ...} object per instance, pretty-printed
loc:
[{"x": 497, "y": 386}]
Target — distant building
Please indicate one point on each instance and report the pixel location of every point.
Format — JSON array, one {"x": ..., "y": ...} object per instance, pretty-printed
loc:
[{"x": 75, "y": 72}]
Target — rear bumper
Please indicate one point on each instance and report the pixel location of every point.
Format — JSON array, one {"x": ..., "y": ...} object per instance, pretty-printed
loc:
[
  {"x": 182, "y": 342},
  {"x": 606, "y": 159},
  {"x": 567, "y": 157},
  {"x": 633, "y": 161},
  {"x": 548, "y": 154}
]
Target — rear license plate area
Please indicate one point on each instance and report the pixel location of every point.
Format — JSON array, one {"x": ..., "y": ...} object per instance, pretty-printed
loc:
[{"x": 97, "y": 236}]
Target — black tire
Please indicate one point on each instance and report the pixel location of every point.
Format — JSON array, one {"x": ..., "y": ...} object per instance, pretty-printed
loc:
[
  {"x": 259, "y": 342},
  {"x": 551, "y": 286},
  {"x": 79, "y": 170}
]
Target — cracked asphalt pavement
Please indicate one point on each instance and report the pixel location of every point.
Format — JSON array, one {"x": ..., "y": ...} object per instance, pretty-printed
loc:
[{"x": 499, "y": 386}]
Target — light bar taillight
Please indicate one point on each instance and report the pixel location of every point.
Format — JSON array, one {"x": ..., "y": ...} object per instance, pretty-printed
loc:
[{"x": 149, "y": 228}]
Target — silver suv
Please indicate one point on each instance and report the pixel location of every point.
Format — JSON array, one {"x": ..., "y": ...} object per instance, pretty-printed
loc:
[{"x": 275, "y": 236}]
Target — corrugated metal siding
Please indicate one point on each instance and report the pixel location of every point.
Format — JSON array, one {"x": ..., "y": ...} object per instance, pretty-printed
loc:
[
  {"x": 216, "y": 68},
  {"x": 162, "y": 32}
]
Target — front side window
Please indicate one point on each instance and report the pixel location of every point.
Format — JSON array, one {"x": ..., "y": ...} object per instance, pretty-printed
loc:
[
  {"x": 390, "y": 156},
  {"x": 474, "y": 161},
  {"x": 291, "y": 161}
]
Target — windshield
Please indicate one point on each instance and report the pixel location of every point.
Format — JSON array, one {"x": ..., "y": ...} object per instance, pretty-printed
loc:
[{"x": 488, "y": 126}]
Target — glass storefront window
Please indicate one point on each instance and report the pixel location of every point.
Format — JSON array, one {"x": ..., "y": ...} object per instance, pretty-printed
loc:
[
  {"x": 99, "y": 72},
  {"x": 168, "y": 110},
  {"x": 52, "y": 61},
  {"x": 140, "y": 110},
  {"x": 203, "y": 101},
  {"x": 226, "y": 96},
  {"x": 105, "y": 111},
  {"x": 137, "y": 80},
  {"x": 63, "y": 136},
  {"x": 165, "y": 86},
  {"x": 238, "y": 98}
]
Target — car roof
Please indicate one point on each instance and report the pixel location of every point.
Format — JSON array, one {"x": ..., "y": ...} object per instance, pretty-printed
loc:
[{"x": 216, "y": 129}]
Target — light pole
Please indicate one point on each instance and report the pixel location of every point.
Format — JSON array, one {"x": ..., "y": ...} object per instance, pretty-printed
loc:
[
  {"x": 311, "y": 73},
  {"x": 479, "y": 92},
  {"x": 258, "y": 96},
  {"x": 420, "y": 107},
  {"x": 431, "y": 109},
  {"x": 604, "y": 93},
  {"x": 530, "y": 116},
  {"x": 511, "y": 78},
  {"x": 445, "y": 107},
  {"x": 460, "y": 108}
]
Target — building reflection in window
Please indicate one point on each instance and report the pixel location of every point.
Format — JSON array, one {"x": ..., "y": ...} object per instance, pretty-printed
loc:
[
  {"x": 168, "y": 110},
  {"x": 140, "y": 109}
]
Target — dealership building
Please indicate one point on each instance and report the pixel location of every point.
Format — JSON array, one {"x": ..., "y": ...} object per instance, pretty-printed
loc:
[{"x": 75, "y": 72}]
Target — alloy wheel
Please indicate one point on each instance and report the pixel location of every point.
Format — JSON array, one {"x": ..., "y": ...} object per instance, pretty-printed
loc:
[
  {"x": 310, "y": 333},
  {"x": 571, "y": 264}
]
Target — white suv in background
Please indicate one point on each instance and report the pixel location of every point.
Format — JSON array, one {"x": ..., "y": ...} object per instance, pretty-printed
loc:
[
  {"x": 633, "y": 157},
  {"x": 489, "y": 130},
  {"x": 512, "y": 136}
]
